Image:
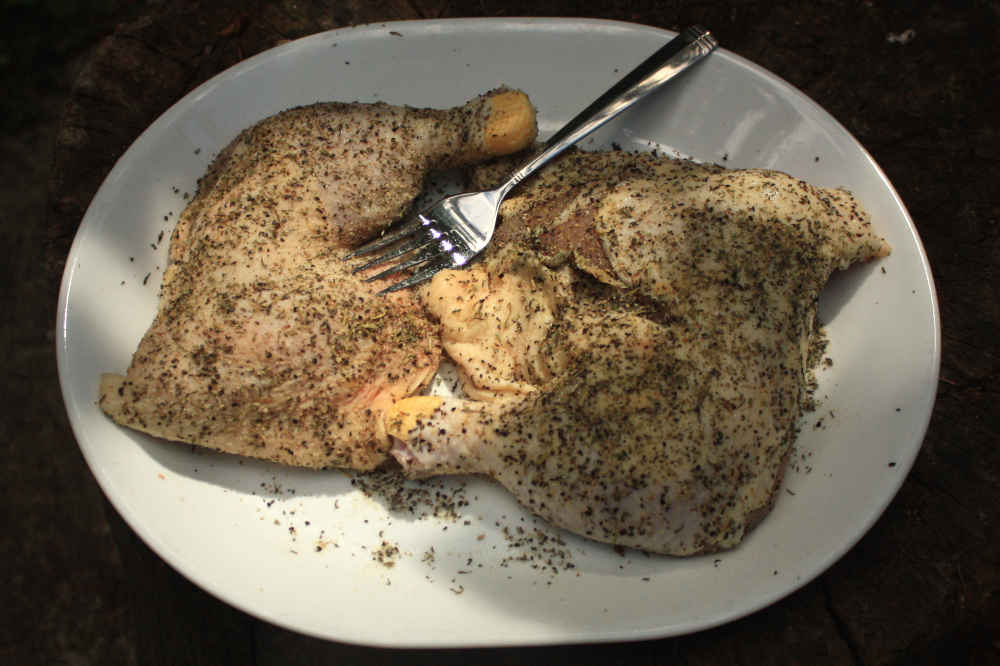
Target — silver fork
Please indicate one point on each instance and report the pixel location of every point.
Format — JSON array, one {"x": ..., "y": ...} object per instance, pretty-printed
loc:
[{"x": 454, "y": 230}]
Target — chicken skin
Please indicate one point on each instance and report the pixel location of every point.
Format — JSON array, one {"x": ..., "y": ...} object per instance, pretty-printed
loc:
[
  {"x": 635, "y": 346},
  {"x": 265, "y": 344}
]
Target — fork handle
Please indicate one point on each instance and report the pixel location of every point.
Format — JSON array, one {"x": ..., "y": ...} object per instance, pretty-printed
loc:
[{"x": 687, "y": 48}]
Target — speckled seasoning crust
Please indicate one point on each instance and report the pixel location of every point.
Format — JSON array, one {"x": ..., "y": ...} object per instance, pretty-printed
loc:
[
  {"x": 636, "y": 346},
  {"x": 265, "y": 344}
]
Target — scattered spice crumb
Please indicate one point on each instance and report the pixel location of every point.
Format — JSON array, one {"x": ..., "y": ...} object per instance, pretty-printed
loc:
[
  {"x": 386, "y": 554},
  {"x": 422, "y": 498},
  {"x": 322, "y": 543}
]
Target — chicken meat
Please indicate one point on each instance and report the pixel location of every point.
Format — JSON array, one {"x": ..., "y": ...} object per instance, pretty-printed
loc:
[
  {"x": 265, "y": 344},
  {"x": 634, "y": 348}
]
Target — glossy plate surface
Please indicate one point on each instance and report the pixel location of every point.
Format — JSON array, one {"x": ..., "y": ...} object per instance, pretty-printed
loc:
[{"x": 302, "y": 548}]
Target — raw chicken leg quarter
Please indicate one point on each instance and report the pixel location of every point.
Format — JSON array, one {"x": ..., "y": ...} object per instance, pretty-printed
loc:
[
  {"x": 264, "y": 343},
  {"x": 637, "y": 344}
]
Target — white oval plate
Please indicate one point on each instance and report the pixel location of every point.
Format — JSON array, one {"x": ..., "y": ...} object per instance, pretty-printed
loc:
[{"x": 297, "y": 547}]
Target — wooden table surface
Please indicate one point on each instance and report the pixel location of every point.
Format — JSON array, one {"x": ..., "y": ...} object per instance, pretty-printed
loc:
[{"x": 922, "y": 587}]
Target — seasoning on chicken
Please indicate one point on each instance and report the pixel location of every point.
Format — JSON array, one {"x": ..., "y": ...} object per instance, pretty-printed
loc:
[
  {"x": 637, "y": 347},
  {"x": 265, "y": 344}
]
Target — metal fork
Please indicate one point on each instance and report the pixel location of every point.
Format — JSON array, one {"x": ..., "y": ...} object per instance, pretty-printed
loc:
[{"x": 454, "y": 230}]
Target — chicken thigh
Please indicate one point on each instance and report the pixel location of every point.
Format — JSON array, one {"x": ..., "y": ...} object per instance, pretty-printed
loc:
[
  {"x": 636, "y": 347},
  {"x": 265, "y": 344}
]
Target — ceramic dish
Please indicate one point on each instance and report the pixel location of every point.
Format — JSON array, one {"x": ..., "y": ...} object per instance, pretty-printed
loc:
[{"x": 310, "y": 551}]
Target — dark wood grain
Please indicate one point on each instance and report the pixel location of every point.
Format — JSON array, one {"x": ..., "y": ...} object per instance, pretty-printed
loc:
[{"x": 922, "y": 586}]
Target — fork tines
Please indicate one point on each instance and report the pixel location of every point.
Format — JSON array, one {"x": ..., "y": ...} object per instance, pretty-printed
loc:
[{"x": 420, "y": 239}]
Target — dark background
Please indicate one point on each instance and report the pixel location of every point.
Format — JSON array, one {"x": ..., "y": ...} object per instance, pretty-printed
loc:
[{"x": 80, "y": 80}]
